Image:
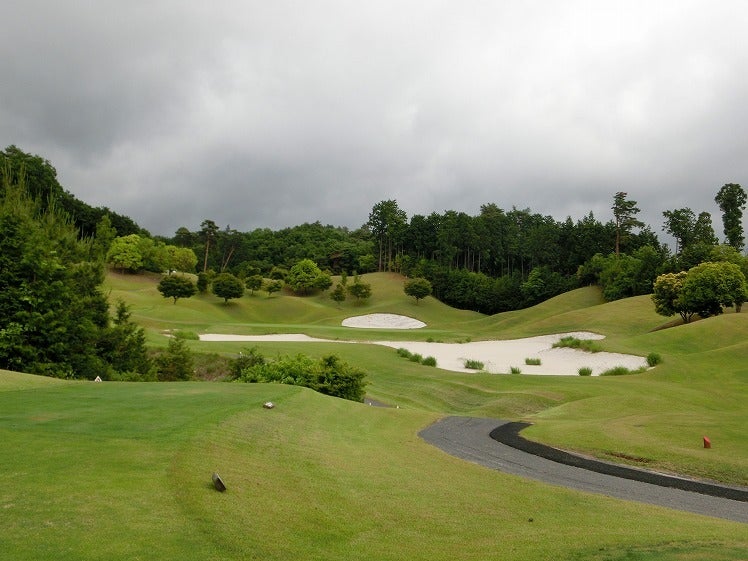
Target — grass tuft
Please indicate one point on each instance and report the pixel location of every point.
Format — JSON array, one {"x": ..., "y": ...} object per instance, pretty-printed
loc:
[
  {"x": 473, "y": 364},
  {"x": 571, "y": 342}
]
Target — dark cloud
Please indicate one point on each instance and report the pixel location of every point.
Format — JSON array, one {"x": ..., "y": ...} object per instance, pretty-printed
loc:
[{"x": 270, "y": 114}]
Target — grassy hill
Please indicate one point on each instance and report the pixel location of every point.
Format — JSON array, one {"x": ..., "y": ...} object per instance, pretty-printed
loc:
[{"x": 122, "y": 470}]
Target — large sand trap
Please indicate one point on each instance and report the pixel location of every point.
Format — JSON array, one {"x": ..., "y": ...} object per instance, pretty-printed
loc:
[
  {"x": 383, "y": 321},
  {"x": 497, "y": 356},
  {"x": 500, "y": 356}
]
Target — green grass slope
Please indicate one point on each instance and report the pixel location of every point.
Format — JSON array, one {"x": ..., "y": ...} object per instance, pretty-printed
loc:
[
  {"x": 316, "y": 315},
  {"x": 123, "y": 471},
  {"x": 656, "y": 419}
]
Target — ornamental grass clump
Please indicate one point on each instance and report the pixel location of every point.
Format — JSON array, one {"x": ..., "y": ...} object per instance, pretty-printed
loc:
[
  {"x": 617, "y": 371},
  {"x": 429, "y": 361},
  {"x": 532, "y": 361},
  {"x": 585, "y": 371},
  {"x": 653, "y": 359},
  {"x": 403, "y": 352},
  {"x": 473, "y": 364},
  {"x": 575, "y": 343}
]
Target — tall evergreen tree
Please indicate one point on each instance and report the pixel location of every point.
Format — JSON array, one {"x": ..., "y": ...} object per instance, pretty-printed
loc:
[
  {"x": 624, "y": 213},
  {"x": 731, "y": 200}
]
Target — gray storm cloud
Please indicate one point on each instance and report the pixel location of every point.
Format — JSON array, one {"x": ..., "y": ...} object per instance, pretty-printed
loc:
[{"x": 270, "y": 114}]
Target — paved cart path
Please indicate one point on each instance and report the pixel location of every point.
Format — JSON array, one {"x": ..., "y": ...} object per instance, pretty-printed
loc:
[{"x": 469, "y": 438}]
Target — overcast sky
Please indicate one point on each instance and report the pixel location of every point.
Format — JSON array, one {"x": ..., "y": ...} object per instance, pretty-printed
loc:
[{"x": 275, "y": 113}]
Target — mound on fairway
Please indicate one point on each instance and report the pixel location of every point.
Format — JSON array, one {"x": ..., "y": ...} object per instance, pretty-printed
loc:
[{"x": 383, "y": 321}]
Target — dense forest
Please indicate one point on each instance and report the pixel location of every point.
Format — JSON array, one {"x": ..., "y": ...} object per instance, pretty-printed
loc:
[{"x": 497, "y": 260}]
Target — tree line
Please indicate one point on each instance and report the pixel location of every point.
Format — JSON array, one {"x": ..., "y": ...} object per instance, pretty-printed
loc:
[{"x": 492, "y": 261}]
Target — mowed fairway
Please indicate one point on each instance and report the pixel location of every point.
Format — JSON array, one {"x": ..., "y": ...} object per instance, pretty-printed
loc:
[{"x": 123, "y": 470}]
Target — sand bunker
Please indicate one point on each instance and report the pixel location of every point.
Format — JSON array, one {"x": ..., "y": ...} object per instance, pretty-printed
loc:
[
  {"x": 498, "y": 357},
  {"x": 383, "y": 321}
]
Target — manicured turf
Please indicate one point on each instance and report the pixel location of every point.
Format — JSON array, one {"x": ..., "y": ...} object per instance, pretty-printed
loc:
[{"x": 122, "y": 471}]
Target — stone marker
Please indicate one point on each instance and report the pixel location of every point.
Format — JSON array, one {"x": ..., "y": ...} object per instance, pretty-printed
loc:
[
  {"x": 218, "y": 483},
  {"x": 268, "y": 405},
  {"x": 707, "y": 442}
]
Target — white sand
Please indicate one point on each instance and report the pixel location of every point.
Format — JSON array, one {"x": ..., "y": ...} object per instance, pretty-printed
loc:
[
  {"x": 497, "y": 356},
  {"x": 291, "y": 337},
  {"x": 383, "y": 321},
  {"x": 500, "y": 356}
]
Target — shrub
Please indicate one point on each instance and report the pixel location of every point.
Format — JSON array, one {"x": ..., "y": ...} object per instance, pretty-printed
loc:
[
  {"x": 328, "y": 375},
  {"x": 532, "y": 361},
  {"x": 574, "y": 343},
  {"x": 474, "y": 364},
  {"x": 653, "y": 359},
  {"x": 186, "y": 335},
  {"x": 585, "y": 371},
  {"x": 515, "y": 370},
  {"x": 403, "y": 352},
  {"x": 415, "y": 357},
  {"x": 617, "y": 371},
  {"x": 429, "y": 361},
  {"x": 246, "y": 360},
  {"x": 176, "y": 362}
]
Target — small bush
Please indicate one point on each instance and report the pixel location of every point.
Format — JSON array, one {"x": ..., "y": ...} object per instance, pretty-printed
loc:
[
  {"x": 403, "y": 352},
  {"x": 585, "y": 371},
  {"x": 532, "y": 361},
  {"x": 653, "y": 359},
  {"x": 429, "y": 361},
  {"x": 617, "y": 371},
  {"x": 574, "y": 343},
  {"x": 187, "y": 335},
  {"x": 474, "y": 364},
  {"x": 415, "y": 357},
  {"x": 515, "y": 370}
]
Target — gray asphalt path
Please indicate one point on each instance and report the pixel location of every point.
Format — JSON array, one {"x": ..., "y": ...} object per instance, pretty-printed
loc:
[{"x": 469, "y": 438}]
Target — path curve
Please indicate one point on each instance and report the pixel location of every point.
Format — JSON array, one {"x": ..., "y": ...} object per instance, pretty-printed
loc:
[{"x": 469, "y": 438}]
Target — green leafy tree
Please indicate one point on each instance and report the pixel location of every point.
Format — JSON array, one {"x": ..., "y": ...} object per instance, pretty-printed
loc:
[
  {"x": 338, "y": 294},
  {"x": 176, "y": 362},
  {"x": 254, "y": 282},
  {"x": 624, "y": 214},
  {"x": 323, "y": 282},
  {"x": 731, "y": 199},
  {"x": 105, "y": 234},
  {"x": 418, "y": 288},
  {"x": 359, "y": 290},
  {"x": 208, "y": 232},
  {"x": 125, "y": 253},
  {"x": 367, "y": 263},
  {"x": 680, "y": 224},
  {"x": 181, "y": 259},
  {"x": 387, "y": 223},
  {"x": 709, "y": 287},
  {"x": 156, "y": 255},
  {"x": 278, "y": 273},
  {"x": 53, "y": 314},
  {"x": 203, "y": 282},
  {"x": 123, "y": 346},
  {"x": 176, "y": 287},
  {"x": 303, "y": 276},
  {"x": 227, "y": 286},
  {"x": 273, "y": 286},
  {"x": 666, "y": 296}
]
